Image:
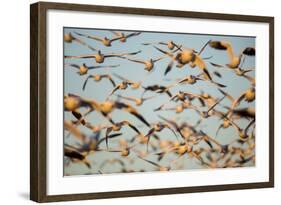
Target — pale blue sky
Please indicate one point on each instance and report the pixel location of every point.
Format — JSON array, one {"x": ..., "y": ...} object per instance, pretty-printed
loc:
[{"x": 134, "y": 71}]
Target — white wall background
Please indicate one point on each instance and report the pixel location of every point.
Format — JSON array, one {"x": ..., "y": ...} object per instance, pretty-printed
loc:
[{"x": 14, "y": 101}]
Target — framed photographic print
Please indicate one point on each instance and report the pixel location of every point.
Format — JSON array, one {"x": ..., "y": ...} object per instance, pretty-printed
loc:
[{"x": 134, "y": 102}]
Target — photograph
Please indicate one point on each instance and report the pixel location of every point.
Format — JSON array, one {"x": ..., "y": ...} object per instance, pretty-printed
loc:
[{"x": 145, "y": 101}]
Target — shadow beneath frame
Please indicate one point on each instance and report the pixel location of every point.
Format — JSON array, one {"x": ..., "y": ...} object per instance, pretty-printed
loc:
[{"x": 24, "y": 195}]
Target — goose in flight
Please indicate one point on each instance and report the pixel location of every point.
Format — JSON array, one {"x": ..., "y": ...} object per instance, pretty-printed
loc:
[
  {"x": 117, "y": 127},
  {"x": 179, "y": 108},
  {"x": 148, "y": 64},
  {"x": 172, "y": 55},
  {"x": 99, "y": 56},
  {"x": 239, "y": 71},
  {"x": 87, "y": 144},
  {"x": 97, "y": 78},
  {"x": 69, "y": 38},
  {"x": 133, "y": 84},
  {"x": 182, "y": 96},
  {"x": 193, "y": 58},
  {"x": 83, "y": 69},
  {"x": 158, "y": 89},
  {"x": 248, "y": 95},
  {"x": 74, "y": 155},
  {"x": 123, "y": 37},
  {"x": 174, "y": 124},
  {"x": 137, "y": 101},
  {"x": 234, "y": 60},
  {"x": 249, "y": 112},
  {"x": 227, "y": 122},
  {"x": 158, "y": 127},
  {"x": 211, "y": 141},
  {"x": 124, "y": 151},
  {"x": 105, "y": 40},
  {"x": 170, "y": 44},
  {"x": 159, "y": 167},
  {"x": 208, "y": 113},
  {"x": 72, "y": 103},
  {"x": 192, "y": 79},
  {"x": 121, "y": 86}
]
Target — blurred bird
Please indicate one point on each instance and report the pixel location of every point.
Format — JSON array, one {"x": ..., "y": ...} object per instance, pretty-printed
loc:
[
  {"x": 148, "y": 64},
  {"x": 133, "y": 84},
  {"x": 157, "y": 89},
  {"x": 159, "y": 167},
  {"x": 97, "y": 78},
  {"x": 158, "y": 127},
  {"x": 234, "y": 60},
  {"x": 172, "y": 55},
  {"x": 99, "y": 56},
  {"x": 208, "y": 113},
  {"x": 75, "y": 156},
  {"x": 170, "y": 44},
  {"x": 123, "y": 37},
  {"x": 69, "y": 38},
  {"x": 83, "y": 69},
  {"x": 192, "y": 79},
  {"x": 137, "y": 101},
  {"x": 105, "y": 40},
  {"x": 117, "y": 127}
]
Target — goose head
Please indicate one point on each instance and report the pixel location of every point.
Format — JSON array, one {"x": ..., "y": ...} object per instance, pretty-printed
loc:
[
  {"x": 68, "y": 37},
  {"x": 250, "y": 95},
  {"x": 171, "y": 45},
  {"x": 83, "y": 69},
  {"x": 123, "y": 38}
]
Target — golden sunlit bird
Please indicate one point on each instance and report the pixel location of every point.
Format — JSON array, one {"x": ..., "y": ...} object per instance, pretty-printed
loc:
[
  {"x": 179, "y": 108},
  {"x": 95, "y": 128},
  {"x": 158, "y": 127},
  {"x": 117, "y": 127},
  {"x": 133, "y": 84},
  {"x": 97, "y": 78},
  {"x": 99, "y": 56},
  {"x": 124, "y": 151},
  {"x": 72, "y": 103},
  {"x": 120, "y": 86},
  {"x": 174, "y": 124},
  {"x": 157, "y": 89},
  {"x": 123, "y": 37},
  {"x": 148, "y": 64},
  {"x": 227, "y": 122},
  {"x": 249, "y": 96},
  {"x": 181, "y": 96},
  {"x": 107, "y": 107},
  {"x": 69, "y": 38},
  {"x": 172, "y": 55},
  {"x": 160, "y": 167},
  {"x": 170, "y": 44},
  {"x": 83, "y": 69},
  {"x": 137, "y": 101},
  {"x": 211, "y": 141},
  {"x": 239, "y": 71},
  {"x": 192, "y": 79},
  {"x": 208, "y": 113},
  {"x": 234, "y": 60},
  {"x": 105, "y": 40},
  {"x": 74, "y": 155},
  {"x": 249, "y": 112},
  {"x": 193, "y": 58}
]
